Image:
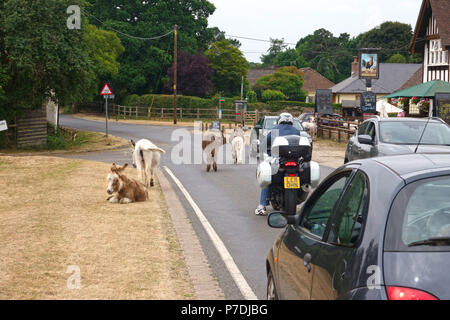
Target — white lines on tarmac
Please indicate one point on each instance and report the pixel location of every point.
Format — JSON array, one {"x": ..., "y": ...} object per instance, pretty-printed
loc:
[{"x": 231, "y": 266}]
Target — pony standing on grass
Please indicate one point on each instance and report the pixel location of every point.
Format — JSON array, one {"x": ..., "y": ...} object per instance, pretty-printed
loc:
[{"x": 122, "y": 189}]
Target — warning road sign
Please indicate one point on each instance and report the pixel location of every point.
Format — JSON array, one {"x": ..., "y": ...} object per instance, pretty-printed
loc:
[{"x": 106, "y": 91}]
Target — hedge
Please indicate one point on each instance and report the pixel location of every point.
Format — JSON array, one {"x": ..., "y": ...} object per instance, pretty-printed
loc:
[{"x": 187, "y": 102}]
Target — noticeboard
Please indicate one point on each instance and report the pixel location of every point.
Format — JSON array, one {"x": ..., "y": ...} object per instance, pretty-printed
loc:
[
  {"x": 324, "y": 101},
  {"x": 368, "y": 102}
]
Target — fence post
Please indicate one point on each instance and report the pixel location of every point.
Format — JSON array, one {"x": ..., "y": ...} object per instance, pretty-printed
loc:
[
  {"x": 162, "y": 113},
  {"x": 137, "y": 112},
  {"x": 198, "y": 113},
  {"x": 181, "y": 113}
]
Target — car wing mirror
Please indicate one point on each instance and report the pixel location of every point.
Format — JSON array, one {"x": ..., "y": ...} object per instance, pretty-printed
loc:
[
  {"x": 365, "y": 139},
  {"x": 279, "y": 220}
]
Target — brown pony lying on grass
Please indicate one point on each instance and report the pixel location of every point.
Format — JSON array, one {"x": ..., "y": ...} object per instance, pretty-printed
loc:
[{"x": 123, "y": 189}]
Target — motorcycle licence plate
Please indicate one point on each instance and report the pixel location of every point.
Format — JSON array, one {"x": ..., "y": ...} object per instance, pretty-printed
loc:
[{"x": 292, "y": 182}]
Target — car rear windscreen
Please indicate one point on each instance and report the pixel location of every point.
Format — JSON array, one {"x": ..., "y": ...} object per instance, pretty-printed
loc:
[
  {"x": 409, "y": 132},
  {"x": 420, "y": 212}
]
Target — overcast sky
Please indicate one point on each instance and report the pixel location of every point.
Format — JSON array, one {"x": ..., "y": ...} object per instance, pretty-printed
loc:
[{"x": 295, "y": 19}]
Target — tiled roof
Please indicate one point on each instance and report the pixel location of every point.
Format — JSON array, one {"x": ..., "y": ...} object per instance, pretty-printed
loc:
[
  {"x": 416, "y": 78},
  {"x": 392, "y": 77},
  {"x": 314, "y": 80}
]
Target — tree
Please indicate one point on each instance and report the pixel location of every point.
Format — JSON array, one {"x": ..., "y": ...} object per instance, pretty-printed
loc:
[
  {"x": 105, "y": 48},
  {"x": 229, "y": 67},
  {"x": 41, "y": 56},
  {"x": 397, "y": 58},
  {"x": 194, "y": 76},
  {"x": 288, "y": 80},
  {"x": 144, "y": 63},
  {"x": 277, "y": 46},
  {"x": 391, "y": 37},
  {"x": 290, "y": 57},
  {"x": 327, "y": 54}
]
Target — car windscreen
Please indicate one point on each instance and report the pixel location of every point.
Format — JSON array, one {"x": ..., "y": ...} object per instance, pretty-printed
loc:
[
  {"x": 420, "y": 214},
  {"x": 409, "y": 132},
  {"x": 270, "y": 123}
]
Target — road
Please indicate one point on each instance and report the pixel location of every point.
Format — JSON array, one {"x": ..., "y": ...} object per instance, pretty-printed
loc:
[{"x": 227, "y": 198}]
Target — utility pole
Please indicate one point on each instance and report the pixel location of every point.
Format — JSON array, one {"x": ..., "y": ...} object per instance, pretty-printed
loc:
[{"x": 175, "y": 57}]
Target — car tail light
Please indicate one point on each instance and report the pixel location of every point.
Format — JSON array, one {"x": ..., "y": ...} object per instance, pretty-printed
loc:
[
  {"x": 290, "y": 164},
  {"x": 400, "y": 293}
]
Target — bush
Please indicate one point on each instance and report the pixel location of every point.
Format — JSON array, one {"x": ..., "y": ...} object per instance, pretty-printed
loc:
[
  {"x": 252, "y": 97},
  {"x": 272, "y": 95}
]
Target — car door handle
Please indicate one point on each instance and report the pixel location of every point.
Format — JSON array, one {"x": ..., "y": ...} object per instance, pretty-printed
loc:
[{"x": 306, "y": 261}]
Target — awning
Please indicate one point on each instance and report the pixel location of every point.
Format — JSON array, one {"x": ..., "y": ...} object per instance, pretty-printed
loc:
[{"x": 423, "y": 90}]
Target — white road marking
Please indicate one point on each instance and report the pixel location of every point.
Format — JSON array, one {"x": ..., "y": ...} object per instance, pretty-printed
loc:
[{"x": 236, "y": 274}]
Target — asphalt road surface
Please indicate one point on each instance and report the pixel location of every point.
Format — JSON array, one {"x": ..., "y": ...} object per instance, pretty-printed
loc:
[{"x": 227, "y": 198}]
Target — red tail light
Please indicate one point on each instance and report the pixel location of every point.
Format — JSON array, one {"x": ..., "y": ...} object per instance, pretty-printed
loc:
[
  {"x": 290, "y": 164},
  {"x": 400, "y": 293}
]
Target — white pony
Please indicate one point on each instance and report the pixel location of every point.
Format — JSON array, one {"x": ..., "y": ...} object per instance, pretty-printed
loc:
[
  {"x": 146, "y": 157},
  {"x": 237, "y": 142}
]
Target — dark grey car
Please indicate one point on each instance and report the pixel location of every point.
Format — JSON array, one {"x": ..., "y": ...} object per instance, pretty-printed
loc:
[
  {"x": 374, "y": 229},
  {"x": 378, "y": 137}
]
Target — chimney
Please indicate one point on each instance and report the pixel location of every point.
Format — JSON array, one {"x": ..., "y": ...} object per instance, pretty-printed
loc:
[{"x": 355, "y": 67}]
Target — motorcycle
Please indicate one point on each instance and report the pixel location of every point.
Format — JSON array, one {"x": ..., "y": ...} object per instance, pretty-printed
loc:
[{"x": 289, "y": 172}]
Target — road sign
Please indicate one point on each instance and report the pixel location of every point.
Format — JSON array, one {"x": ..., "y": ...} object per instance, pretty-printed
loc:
[
  {"x": 106, "y": 91},
  {"x": 3, "y": 125},
  {"x": 111, "y": 96}
]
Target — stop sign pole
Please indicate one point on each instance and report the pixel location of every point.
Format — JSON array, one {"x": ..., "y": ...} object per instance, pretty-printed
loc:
[{"x": 107, "y": 94}]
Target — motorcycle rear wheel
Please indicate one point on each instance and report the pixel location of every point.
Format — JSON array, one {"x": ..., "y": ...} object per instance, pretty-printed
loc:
[{"x": 290, "y": 201}]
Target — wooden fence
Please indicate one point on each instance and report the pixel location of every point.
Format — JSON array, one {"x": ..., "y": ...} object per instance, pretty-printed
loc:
[
  {"x": 139, "y": 112},
  {"x": 32, "y": 129},
  {"x": 337, "y": 129}
]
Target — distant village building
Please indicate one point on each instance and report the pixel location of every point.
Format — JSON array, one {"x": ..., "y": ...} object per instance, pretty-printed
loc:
[
  {"x": 392, "y": 77},
  {"x": 313, "y": 80},
  {"x": 432, "y": 39}
]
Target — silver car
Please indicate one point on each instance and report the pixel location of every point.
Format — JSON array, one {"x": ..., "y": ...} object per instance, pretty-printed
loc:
[
  {"x": 264, "y": 126},
  {"x": 379, "y": 137}
]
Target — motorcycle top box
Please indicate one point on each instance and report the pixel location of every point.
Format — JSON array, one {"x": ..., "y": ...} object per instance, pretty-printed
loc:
[{"x": 292, "y": 148}]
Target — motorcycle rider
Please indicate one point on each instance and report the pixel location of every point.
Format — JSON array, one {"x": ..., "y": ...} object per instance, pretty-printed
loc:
[{"x": 285, "y": 127}]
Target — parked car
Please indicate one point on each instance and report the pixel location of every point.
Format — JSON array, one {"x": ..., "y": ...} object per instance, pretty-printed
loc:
[
  {"x": 374, "y": 229},
  {"x": 389, "y": 136},
  {"x": 264, "y": 126}
]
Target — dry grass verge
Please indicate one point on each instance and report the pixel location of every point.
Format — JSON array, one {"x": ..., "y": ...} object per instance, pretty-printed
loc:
[{"x": 54, "y": 214}]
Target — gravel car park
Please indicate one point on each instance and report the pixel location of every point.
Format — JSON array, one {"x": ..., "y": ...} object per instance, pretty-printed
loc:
[{"x": 374, "y": 229}]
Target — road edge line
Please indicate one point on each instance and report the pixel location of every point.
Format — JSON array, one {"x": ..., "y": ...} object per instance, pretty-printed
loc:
[{"x": 231, "y": 266}]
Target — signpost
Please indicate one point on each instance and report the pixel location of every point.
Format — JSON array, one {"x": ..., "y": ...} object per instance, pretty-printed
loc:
[
  {"x": 3, "y": 125},
  {"x": 368, "y": 104},
  {"x": 369, "y": 70},
  {"x": 324, "y": 101},
  {"x": 107, "y": 94}
]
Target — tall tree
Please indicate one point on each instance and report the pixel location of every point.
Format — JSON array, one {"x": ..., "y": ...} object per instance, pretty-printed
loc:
[
  {"x": 229, "y": 67},
  {"x": 391, "y": 37},
  {"x": 194, "y": 76},
  {"x": 144, "y": 63},
  {"x": 276, "y": 47},
  {"x": 41, "y": 55}
]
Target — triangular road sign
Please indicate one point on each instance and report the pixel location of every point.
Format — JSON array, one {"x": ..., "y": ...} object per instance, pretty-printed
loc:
[{"x": 106, "y": 91}]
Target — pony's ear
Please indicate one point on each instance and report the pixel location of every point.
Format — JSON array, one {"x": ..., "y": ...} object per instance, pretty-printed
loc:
[
  {"x": 133, "y": 143},
  {"x": 114, "y": 168}
]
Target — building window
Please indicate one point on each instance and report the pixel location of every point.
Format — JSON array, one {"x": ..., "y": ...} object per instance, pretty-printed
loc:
[{"x": 437, "y": 55}]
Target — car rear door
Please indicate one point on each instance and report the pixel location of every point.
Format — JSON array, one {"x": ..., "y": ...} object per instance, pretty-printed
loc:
[
  {"x": 332, "y": 267},
  {"x": 301, "y": 244}
]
